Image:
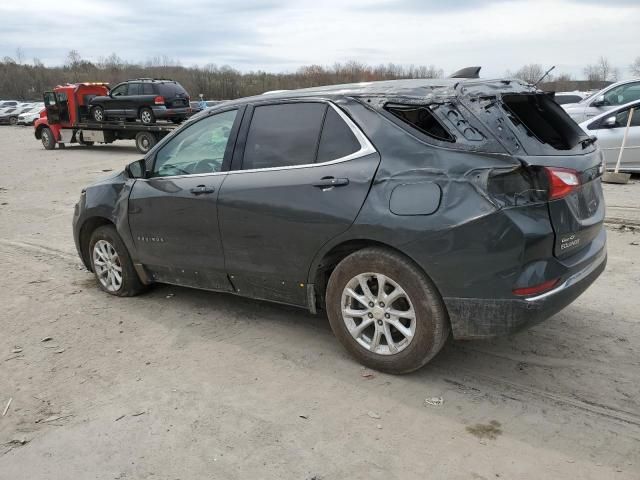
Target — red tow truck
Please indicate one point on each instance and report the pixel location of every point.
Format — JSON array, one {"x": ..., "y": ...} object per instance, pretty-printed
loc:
[{"x": 66, "y": 120}]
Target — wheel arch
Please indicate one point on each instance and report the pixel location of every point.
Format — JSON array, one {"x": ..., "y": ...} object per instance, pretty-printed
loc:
[
  {"x": 84, "y": 236},
  {"x": 324, "y": 263}
]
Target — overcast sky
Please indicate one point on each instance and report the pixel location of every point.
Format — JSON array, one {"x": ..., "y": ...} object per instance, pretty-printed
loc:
[{"x": 281, "y": 35}]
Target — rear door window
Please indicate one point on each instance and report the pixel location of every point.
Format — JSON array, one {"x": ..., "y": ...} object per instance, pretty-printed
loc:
[
  {"x": 171, "y": 89},
  {"x": 147, "y": 89},
  {"x": 337, "y": 139},
  {"x": 135, "y": 89},
  {"x": 283, "y": 135}
]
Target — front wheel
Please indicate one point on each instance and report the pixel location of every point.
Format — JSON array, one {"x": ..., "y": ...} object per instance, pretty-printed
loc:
[
  {"x": 97, "y": 113},
  {"x": 146, "y": 116},
  {"x": 112, "y": 264},
  {"x": 385, "y": 311},
  {"x": 47, "y": 139},
  {"x": 13, "y": 121}
]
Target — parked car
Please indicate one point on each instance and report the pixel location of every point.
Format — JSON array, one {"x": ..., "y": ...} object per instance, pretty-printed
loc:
[
  {"x": 606, "y": 99},
  {"x": 145, "y": 99},
  {"x": 610, "y": 127},
  {"x": 562, "y": 98},
  {"x": 8, "y": 103},
  {"x": 10, "y": 116},
  {"x": 30, "y": 116},
  {"x": 406, "y": 209}
]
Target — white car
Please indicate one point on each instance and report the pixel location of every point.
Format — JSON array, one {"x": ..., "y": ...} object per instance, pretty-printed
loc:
[
  {"x": 606, "y": 99},
  {"x": 563, "y": 98},
  {"x": 29, "y": 117},
  {"x": 609, "y": 128}
]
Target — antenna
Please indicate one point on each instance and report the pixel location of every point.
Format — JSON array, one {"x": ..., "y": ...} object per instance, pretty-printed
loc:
[{"x": 544, "y": 76}]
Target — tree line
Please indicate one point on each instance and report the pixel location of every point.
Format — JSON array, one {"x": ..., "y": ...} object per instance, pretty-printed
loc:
[{"x": 27, "y": 80}]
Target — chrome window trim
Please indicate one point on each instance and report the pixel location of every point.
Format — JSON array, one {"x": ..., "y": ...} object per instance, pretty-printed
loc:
[{"x": 366, "y": 148}]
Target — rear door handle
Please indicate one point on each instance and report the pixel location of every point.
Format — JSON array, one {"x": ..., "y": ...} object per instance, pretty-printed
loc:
[
  {"x": 202, "y": 189},
  {"x": 328, "y": 182}
]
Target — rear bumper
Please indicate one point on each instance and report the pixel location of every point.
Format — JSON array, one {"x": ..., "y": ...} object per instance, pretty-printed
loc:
[
  {"x": 164, "y": 112},
  {"x": 481, "y": 318}
]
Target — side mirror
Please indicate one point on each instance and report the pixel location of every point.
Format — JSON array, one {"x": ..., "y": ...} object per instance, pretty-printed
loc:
[
  {"x": 609, "y": 122},
  {"x": 136, "y": 169},
  {"x": 599, "y": 101}
]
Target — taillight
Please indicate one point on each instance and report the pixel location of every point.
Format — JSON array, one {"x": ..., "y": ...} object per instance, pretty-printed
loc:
[
  {"x": 562, "y": 181},
  {"x": 158, "y": 100},
  {"x": 536, "y": 289}
]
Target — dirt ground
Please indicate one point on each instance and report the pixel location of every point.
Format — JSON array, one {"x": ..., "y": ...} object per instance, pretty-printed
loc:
[{"x": 185, "y": 384}]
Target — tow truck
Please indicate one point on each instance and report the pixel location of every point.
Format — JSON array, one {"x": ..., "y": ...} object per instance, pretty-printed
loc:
[{"x": 66, "y": 120}]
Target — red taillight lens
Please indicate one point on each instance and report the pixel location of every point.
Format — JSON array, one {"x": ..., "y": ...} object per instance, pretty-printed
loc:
[
  {"x": 534, "y": 290},
  {"x": 562, "y": 181},
  {"x": 158, "y": 100}
]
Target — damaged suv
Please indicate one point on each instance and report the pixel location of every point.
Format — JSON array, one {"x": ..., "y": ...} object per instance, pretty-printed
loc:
[{"x": 407, "y": 210}]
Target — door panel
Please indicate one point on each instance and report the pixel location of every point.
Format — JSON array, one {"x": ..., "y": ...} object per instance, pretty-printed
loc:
[
  {"x": 175, "y": 230},
  {"x": 274, "y": 221}
]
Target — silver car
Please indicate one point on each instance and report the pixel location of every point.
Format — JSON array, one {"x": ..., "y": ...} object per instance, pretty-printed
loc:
[
  {"x": 606, "y": 99},
  {"x": 609, "y": 127}
]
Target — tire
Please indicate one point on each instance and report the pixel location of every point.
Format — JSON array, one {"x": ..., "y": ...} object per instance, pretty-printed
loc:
[
  {"x": 145, "y": 141},
  {"x": 111, "y": 262},
  {"x": 97, "y": 113},
  {"x": 146, "y": 116},
  {"x": 417, "y": 341},
  {"x": 47, "y": 139},
  {"x": 13, "y": 121}
]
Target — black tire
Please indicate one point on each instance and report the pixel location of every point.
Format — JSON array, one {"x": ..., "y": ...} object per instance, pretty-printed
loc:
[
  {"x": 431, "y": 321},
  {"x": 97, "y": 113},
  {"x": 13, "y": 120},
  {"x": 47, "y": 139},
  {"x": 146, "y": 116},
  {"x": 130, "y": 284},
  {"x": 145, "y": 141}
]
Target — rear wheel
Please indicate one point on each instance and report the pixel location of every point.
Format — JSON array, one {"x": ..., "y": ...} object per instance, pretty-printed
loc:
[
  {"x": 97, "y": 113},
  {"x": 145, "y": 141},
  {"x": 13, "y": 121},
  {"x": 146, "y": 116},
  {"x": 46, "y": 137},
  {"x": 112, "y": 264},
  {"x": 385, "y": 311}
]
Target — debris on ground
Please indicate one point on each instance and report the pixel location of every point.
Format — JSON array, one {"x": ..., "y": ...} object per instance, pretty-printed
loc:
[
  {"x": 139, "y": 413},
  {"x": 46, "y": 339},
  {"x": 16, "y": 350},
  {"x": 6, "y": 409},
  {"x": 434, "y": 401},
  {"x": 635, "y": 243},
  {"x": 53, "y": 418},
  {"x": 169, "y": 295},
  {"x": 62, "y": 350},
  {"x": 373, "y": 415},
  {"x": 304, "y": 417},
  {"x": 489, "y": 431},
  {"x": 120, "y": 417},
  {"x": 368, "y": 374},
  {"x": 379, "y": 427}
]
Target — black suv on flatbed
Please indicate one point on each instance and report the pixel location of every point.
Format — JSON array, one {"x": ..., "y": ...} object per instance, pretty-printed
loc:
[
  {"x": 145, "y": 99},
  {"x": 406, "y": 210}
]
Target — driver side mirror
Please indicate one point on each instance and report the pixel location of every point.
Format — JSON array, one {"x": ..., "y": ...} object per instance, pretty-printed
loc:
[
  {"x": 599, "y": 101},
  {"x": 136, "y": 169},
  {"x": 609, "y": 122}
]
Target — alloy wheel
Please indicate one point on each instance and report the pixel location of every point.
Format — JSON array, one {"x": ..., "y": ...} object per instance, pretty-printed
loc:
[
  {"x": 145, "y": 117},
  {"x": 107, "y": 265},
  {"x": 378, "y": 313}
]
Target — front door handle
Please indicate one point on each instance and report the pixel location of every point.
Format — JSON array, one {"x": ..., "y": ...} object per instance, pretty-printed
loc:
[
  {"x": 202, "y": 189},
  {"x": 328, "y": 182}
]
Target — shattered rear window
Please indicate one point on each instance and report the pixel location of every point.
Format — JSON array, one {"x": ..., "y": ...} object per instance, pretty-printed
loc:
[
  {"x": 543, "y": 119},
  {"x": 422, "y": 119}
]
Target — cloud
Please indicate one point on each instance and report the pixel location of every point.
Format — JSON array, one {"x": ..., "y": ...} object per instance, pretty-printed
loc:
[{"x": 278, "y": 35}]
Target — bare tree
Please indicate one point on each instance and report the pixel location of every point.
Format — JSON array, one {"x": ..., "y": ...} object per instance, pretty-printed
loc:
[
  {"x": 635, "y": 67},
  {"x": 529, "y": 73},
  {"x": 19, "y": 55},
  {"x": 602, "y": 71}
]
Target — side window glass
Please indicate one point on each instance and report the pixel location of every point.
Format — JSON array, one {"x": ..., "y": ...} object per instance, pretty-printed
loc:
[
  {"x": 623, "y": 117},
  {"x": 134, "y": 89},
  {"x": 119, "y": 91},
  {"x": 623, "y": 94},
  {"x": 283, "y": 135},
  {"x": 198, "y": 148},
  {"x": 337, "y": 139},
  {"x": 147, "y": 89}
]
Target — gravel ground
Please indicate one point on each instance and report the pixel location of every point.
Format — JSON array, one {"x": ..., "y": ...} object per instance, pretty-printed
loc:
[{"x": 185, "y": 384}]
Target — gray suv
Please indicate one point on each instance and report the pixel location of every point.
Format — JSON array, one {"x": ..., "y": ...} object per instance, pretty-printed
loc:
[{"x": 406, "y": 210}]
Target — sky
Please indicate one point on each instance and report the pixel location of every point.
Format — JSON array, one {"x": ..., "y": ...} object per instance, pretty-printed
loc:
[{"x": 281, "y": 35}]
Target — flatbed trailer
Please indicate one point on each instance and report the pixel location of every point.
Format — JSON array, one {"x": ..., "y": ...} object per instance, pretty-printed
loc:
[{"x": 66, "y": 120}]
